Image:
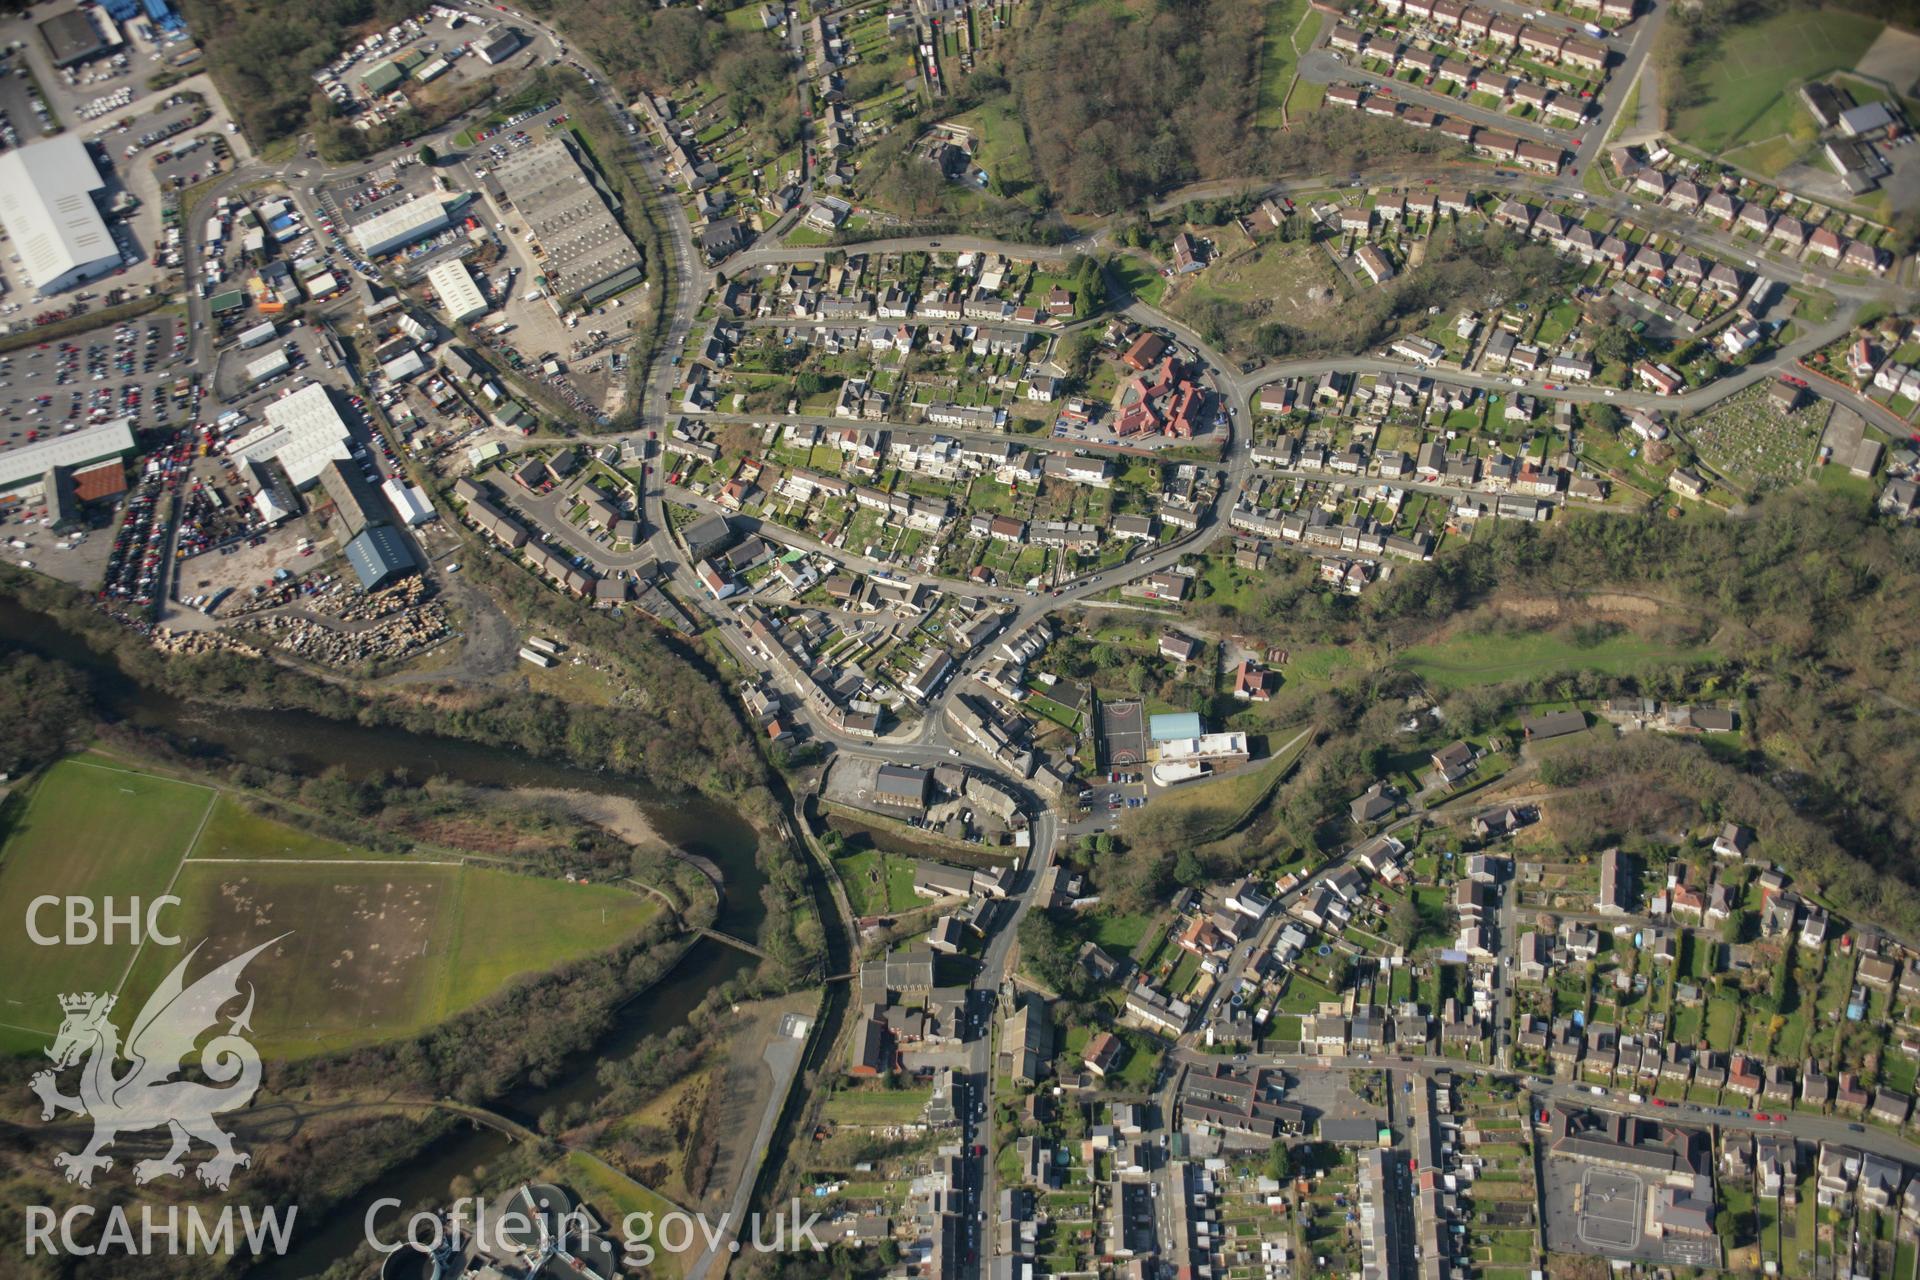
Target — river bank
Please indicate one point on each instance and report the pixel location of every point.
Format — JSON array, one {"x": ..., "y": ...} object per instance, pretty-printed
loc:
[
  {"x": 623, "y": 816},
  {"x": 309, "y": 744}
]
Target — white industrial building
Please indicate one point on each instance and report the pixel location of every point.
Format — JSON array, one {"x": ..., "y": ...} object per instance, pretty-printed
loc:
[
  {"x": 272, "y": 505},
  {"x": 409, "y": 502},
  {"x": 404, "y": 366},
  {"x": 270, "y": 365},
  {"x": 503, "y": 46},
  {"x": 302, "y": 432},
  {"x": 1183, "y": 759},
  {"x": 47, "y": 207},
  {"x": 23, "y": 469},
  {"x": 258, "y": 335},
  {"x": 401, "y": 225},
  {"x": 459, "y": 293}
]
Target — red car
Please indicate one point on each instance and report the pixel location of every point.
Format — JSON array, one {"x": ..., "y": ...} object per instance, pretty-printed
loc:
[{"x": 1658, "y": 1102}]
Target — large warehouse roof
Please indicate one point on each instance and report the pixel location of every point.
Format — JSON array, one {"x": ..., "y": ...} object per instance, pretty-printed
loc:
[
  {"x": 402, "y": 224},
  {"x": 459, "y": 296},
  {"x": 29, "y": 462},
  {"x": 270, "y": 365},
  {"x": 585, "y": 245},
  {"x": 46, "y": 205},
  {"x": 71, "y": 37},
  {"x": 303, "y": 432},
  {"x": 379, "y": 555}
]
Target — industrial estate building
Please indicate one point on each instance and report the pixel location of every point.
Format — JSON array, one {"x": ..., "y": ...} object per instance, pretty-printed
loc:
[
  {"x": 585, "y": 251},
  {"x": 379, "y": 554},
  {"x": 302, "y": 432},
  {"x": 401, "y": 225},
  {"x": 459, "y": 295},
  {"x": 409, "y": 502},
  {"x": 47, "y": 206},
  {"x": 72, "y": 38},
  {"x": 501, "y": 47},
  {"x": 355, "y": 501},
  {"x": 25, "y": 470}
]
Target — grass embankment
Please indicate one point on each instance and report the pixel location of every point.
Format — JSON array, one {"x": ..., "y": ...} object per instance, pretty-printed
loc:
[{"x": 1499, "y": 658}]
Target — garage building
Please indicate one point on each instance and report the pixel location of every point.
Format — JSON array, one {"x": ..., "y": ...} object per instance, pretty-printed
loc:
[
  {"x": 382, "y": 79},
  {"x": 270, "y": 365},
  {"x": 259, "y": 335},
  {"x": 501, "y": 47}
]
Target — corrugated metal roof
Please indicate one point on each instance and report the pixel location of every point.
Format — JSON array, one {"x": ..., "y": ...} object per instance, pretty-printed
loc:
[
  {"x": 94, "y": 444},
  {"x": 378, "y": 554},
  {"x": 46, "y": 204}
]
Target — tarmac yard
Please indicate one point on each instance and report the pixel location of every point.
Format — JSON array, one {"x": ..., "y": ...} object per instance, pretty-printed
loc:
[{"x": 1611, "y": 1210}]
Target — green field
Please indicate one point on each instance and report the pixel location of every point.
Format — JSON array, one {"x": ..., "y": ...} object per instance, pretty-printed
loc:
[
  {"x": 876, "y": 1106},
  {"x": 375, "y": 948},
  {"x": 1487, "y": 658},
  {"x": 234, "y": 831},
  {"x": 878, "y": 882},
  {"x": 1002, "y": 153},
  {"x": 385, "y": 948},
  {"x": 1758, "y": 64},
  {"x": 86, "y": 829},
  {"x": 1138, "y": 279}
]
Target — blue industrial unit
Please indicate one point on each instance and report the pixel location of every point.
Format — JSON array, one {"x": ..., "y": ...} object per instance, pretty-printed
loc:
[
  {"x": 378, "y": 556},
  {"x": 161, "y": 11}
]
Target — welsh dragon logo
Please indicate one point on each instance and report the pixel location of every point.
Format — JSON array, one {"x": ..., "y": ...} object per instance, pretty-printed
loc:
[{"x": 146, "y": 1096}]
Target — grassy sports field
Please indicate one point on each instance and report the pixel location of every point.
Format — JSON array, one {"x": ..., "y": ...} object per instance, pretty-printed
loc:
[
  {"x": 377, "y": 947},
  {"x": 1756, "y": 68},
  {"x": 384, "y": 948},
  {"x": 84, "y": 829}
]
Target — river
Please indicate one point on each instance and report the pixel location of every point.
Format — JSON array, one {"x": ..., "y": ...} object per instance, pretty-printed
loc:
[{"x": 306, "y": 743}]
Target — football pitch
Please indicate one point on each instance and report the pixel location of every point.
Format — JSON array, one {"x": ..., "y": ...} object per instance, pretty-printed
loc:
[
  {"x": 87, "y": 830},
  {"x": 373, "y": 947},
  {"x": 1748, "y": 91}
]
